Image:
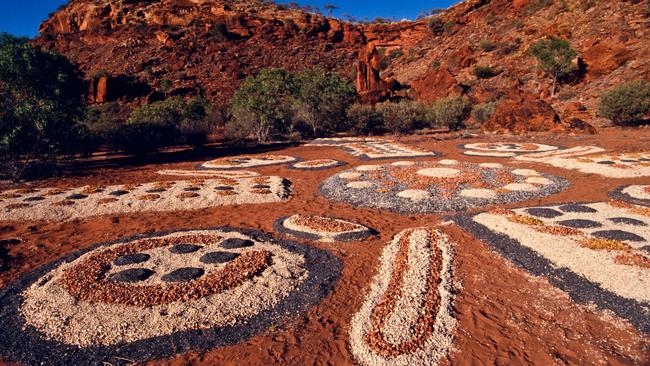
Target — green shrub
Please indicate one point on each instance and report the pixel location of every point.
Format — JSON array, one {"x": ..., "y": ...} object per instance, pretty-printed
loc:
[
  {"x": 402, "y": 117},
  {"x": 364, "y": 119},
  {"x": 320, "y": 100},
  {"x": 536, "y": 5},
  {"x": 556, "y": 57},
  {"x": 486, "y": 45},
  {"x": 485, "y": 72},
  {"x": 483, "y": 112},
  {"x": 449, "y": 112},
  {"x": 448, "y": 26},
  {"x": 626, "y": 103},
  {"x": 101, "y": 126},
  {"x": 40, "y": 102},
  {"x": 436, "y": 25},
  {"x": 198, "y": 122}
]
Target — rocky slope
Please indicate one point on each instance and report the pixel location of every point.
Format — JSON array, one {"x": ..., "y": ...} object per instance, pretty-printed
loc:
[{"x": 140, "y": 48}]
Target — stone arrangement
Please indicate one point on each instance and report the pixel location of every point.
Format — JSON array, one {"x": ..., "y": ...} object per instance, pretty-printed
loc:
[
  {"x": 204, "y": 173},
  {"x": 319, "y": 164},
  {"x": 443, "y": 185},
  {"x": 324, "y": 229},
  {"x": 505, "y": 149},
  {"x": 338, "y": 141},
  {"x": 373, "y": 148},
  {"x": 637, "y": 194},
  {"x": 155, "y": 296},
  {"x": 594, "y": 160},
  {"x": 406, "y": 318},
  {"x": 247, "y": 161},
  {"x": 75, "y": 203},
  {"x": 597, "y": 252}
]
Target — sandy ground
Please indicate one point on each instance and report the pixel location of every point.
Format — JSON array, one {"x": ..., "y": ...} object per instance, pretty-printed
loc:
[{"x": 505, "y": 316}]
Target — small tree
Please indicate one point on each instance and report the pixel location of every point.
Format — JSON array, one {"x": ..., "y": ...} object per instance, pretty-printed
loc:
[
  {"x": 482, "y": 112},
  {"x": 402, "y": 117},
  {"x": 557, "y": 58},
  {"x": 485, "y": 72},
  {"x": 364, "y": 119},
  {"x": 450, "y": 112},
  {"x": 40, "y": 102},
  {"x": 626, "y": 103},
  {"x": 320, "y": 99},
  {"x": 262, "y": 105}
]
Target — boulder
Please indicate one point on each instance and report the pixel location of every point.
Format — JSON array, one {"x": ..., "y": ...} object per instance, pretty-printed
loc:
[
  {"x": 370, "y": 86},
  {"x": 519, "y": 117},
  {"x": 437, "y": 83}
]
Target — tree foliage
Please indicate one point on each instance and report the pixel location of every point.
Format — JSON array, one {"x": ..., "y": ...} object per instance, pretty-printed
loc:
[
  {"x": 40, "y": 102},
  {"x": 450, "y": 112},
  {"x": 626, "y": 103},
  {"x": 556, "y": 57}
]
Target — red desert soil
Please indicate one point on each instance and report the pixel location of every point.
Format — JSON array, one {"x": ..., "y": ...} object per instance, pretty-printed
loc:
[{"x": 505, "y": 315}]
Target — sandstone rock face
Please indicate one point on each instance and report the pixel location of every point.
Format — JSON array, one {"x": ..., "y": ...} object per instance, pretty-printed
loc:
[
  {"x": 370, "y": 86},
  {"x": 437, "y": 83}
]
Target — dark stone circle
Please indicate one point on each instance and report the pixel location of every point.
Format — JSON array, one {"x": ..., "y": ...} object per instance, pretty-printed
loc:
[
  {"x": 618, "y": 235},
  {"x": 218, "y": 257},
  {"x": 548, "y": 213},
  {"x": 156, "y": 190},
  {"x": 131, "y": 259},
  {"x": 118, "y": 193},
  {"x": 629, "y": 161},
  {"x": 261, "y": 186},
  {"x": 34, "y": 199},
  {"x": 183, "y": 274},
  {"x": 627, "y": 221},
  {"x": 606, "y": 162},
  {"x": 184, "y": 248},
  {"x": 577, "y": 208},
  {"x": 235, "y": 243},
  {"x": 224, "y": 188},
  {"x": 76, "y": 196},
  {"x": 132, "y": 275},
  {"x": 580, "y": 224},
  {"x": 192, "y": 189}
]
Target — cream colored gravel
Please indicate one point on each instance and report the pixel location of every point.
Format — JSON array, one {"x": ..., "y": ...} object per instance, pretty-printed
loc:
[
  {"x": 448, "y": 162},
  {"x": 638, "y": 192},
  {"x": 415, "y": 194},
  {"x": 525, "y": 172},
  {"x": 360, "y": 185},
  {"x": 522, "y": 187},
  {"x": 478, "y": 193},
  {"x": 325, "y": 236},
  {"x": 539, "y": 180},
  {"x": 251, "y": 163},
  {"x": 494, "y": 154},
  {"x": 368, "y": 168},
  {"x": 52, "y": 311},
  {"x": 350, "y": 175},
  {"x": 439, "y": 172},
  {"x": 491, "y": 165},
  {"x": 403, "y": 163},
  {"x": 209, "y": 173}
]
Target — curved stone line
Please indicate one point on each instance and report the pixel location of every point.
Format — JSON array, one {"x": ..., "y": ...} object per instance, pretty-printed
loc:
[
  {"x": 208, "y": 173},
  {"x": 279, "y": 227},
  {"x": 87, "y": 281},
  {"x": 338, "y": 164},
  {"x": 620, "y": 195},
  {"x": 207, "y": 165},
  {"x": 427, "y": 337},
  {"x": 26, "y": 345}
]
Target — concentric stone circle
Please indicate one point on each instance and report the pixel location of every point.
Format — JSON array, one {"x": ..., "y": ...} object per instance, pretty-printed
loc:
[
  {"x": 445, "y": 185},
  {"x": 318, "y": 164},
  {"x": 323, "y": 229},
  {"x": 53, "y": 315},
  {"x": 637, "y": 194},
  {"x": 505, "y": 149},
  {"x": 246, "y": 161}
]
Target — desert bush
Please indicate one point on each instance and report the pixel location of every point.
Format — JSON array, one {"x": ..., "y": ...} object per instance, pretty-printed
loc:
[
  {"x": 448, "y": 26},
  {"x": 364, "y": 119},
  {"x": 320, "y": 100},
  {"x": 387, "y": 59},
  {"x": 403, "y": 116},
  {"x": 449, "y": 112},
  {"x": 40, "y": 102},
  {"x": 199, "y": 120},
  {"x": 537, "y": 5},
  {"x": 151, "y": 126},
  {"x": 436, "y": 25},
  {"x": 485, "y": 72},
  {"x": 626, "y": 103},
  {"x": 100, "y": 126},
  {"x": 483, "y": 111},
  {"x": 262, "y": 105},
  {"x": 486, "y": 45}
]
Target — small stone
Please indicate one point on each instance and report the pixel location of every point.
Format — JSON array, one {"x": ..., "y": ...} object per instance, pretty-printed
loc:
[
  {"x": 618, "y": 235},
  {"x": 76, "y": 196},
  {"x": 132, "y": 275},
  {"x": 218, "y": 257},
  {"x": 183, "y": 274},
  {"x": 192, "y": 189},
  {"x": 606, "y": 162},
  {"x": 118, "y": 193},
  {"x": 184, "y": 248},
  {"x": 627, "y": 221},
  {"x": 580, "y": 224},
  {"x": 223, "y": 188},
  {"x": 235, "y": 243},
  {"x": 156, "y": 190},
  {"x": 131, "y": 259},
  {"x": 261, "y": 186},
  {"x": 34, "y": 199},
  {"x": 548, "y": 213}
]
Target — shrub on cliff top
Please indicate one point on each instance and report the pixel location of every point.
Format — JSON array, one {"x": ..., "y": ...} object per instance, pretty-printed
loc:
[{"x": 626, "y": 103}]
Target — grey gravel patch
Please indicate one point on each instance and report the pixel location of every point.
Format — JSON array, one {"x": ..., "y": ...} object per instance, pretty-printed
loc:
[
  {"x": 132, "y": 275},
  {"x": 236, "y": 243},
  {"x": 223, "y": 188},
  {"x": 34, "y": 199},
  {"x": 183, "y": 274},
  {"x": 334, "y": 188},
  {"x": 23, "y": 344},
  {"x": 627, "y": 221},
  {"x": 575, "y": 207},
  {"x": 76, "y": 196},
  {"x": 218, "y": 257},
  {"x": 580, "y": 223},
  {"x": 119, "y": 193},
  {"x": 547, "y": 213},
  {"x": 134, "y": 258},
  {"x": 620, "y": 195},
  {"x": 618, "y": 235},
  {"x": 184, "y": 248},
  {"x": 156, "y": 190},
  {"x": 191, "y": 189},
  {"x": 577, "y": 287},
  {"x": 260, "y": 186}
]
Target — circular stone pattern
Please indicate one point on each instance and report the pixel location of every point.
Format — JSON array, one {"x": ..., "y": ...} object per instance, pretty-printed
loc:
[
  {"x": 247, "y": 161},
  {"x": 318, "y": 164},
  {"x": 505, "y": 149},
  {"x": 444, "y": 185},
  {"x": 138, "y": 299},
  {"x": 324, "y": 229},
  {"x": 635, "y": 194}
]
